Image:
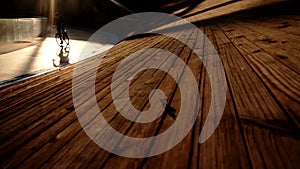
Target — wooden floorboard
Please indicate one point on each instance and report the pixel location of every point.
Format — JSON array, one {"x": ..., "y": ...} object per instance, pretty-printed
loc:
[
  {"x": 255, "y": 104},
  {"x": 260, "y": 124},
  {"x": 280, "y": 75}
]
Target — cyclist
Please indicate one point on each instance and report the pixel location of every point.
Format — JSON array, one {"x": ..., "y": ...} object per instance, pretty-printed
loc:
[{"x": 59, "y": 25}]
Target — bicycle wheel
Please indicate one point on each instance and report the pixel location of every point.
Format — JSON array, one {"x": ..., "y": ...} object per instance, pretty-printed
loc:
[{"x": 58, "y": 39}]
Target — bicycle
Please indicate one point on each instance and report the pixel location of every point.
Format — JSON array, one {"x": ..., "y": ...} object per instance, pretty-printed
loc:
[
  {"x": 63, "y": 54},
  {"x": 62, "y": 38}
]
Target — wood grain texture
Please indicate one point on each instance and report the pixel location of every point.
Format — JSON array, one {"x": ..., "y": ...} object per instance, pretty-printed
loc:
[{"x": 39, "y": 127}]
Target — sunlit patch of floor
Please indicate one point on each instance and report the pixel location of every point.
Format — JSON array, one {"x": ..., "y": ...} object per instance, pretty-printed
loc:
[{"x": 43, "y": 56}]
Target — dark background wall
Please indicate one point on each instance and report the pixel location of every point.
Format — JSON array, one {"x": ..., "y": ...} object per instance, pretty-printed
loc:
[{"x": 85, "y": 13}]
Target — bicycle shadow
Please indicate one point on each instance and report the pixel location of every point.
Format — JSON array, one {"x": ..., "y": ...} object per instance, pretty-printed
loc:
[{"x": 63, "y": 55}]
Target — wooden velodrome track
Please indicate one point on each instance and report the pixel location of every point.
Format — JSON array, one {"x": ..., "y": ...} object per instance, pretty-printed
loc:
[{"x": 259, "y": 50}]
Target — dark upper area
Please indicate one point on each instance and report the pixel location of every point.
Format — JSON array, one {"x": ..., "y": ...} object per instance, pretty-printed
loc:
[
  {"x": 94, "y": 13},
  {"x": 87, "y": 13}
]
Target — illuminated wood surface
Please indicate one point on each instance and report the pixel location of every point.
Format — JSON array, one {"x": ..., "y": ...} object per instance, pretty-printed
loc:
[{"x": 259, "y": 127}]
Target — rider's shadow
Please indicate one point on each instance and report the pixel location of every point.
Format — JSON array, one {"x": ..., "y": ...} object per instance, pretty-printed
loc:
[{"x": 63, "y": 54}]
